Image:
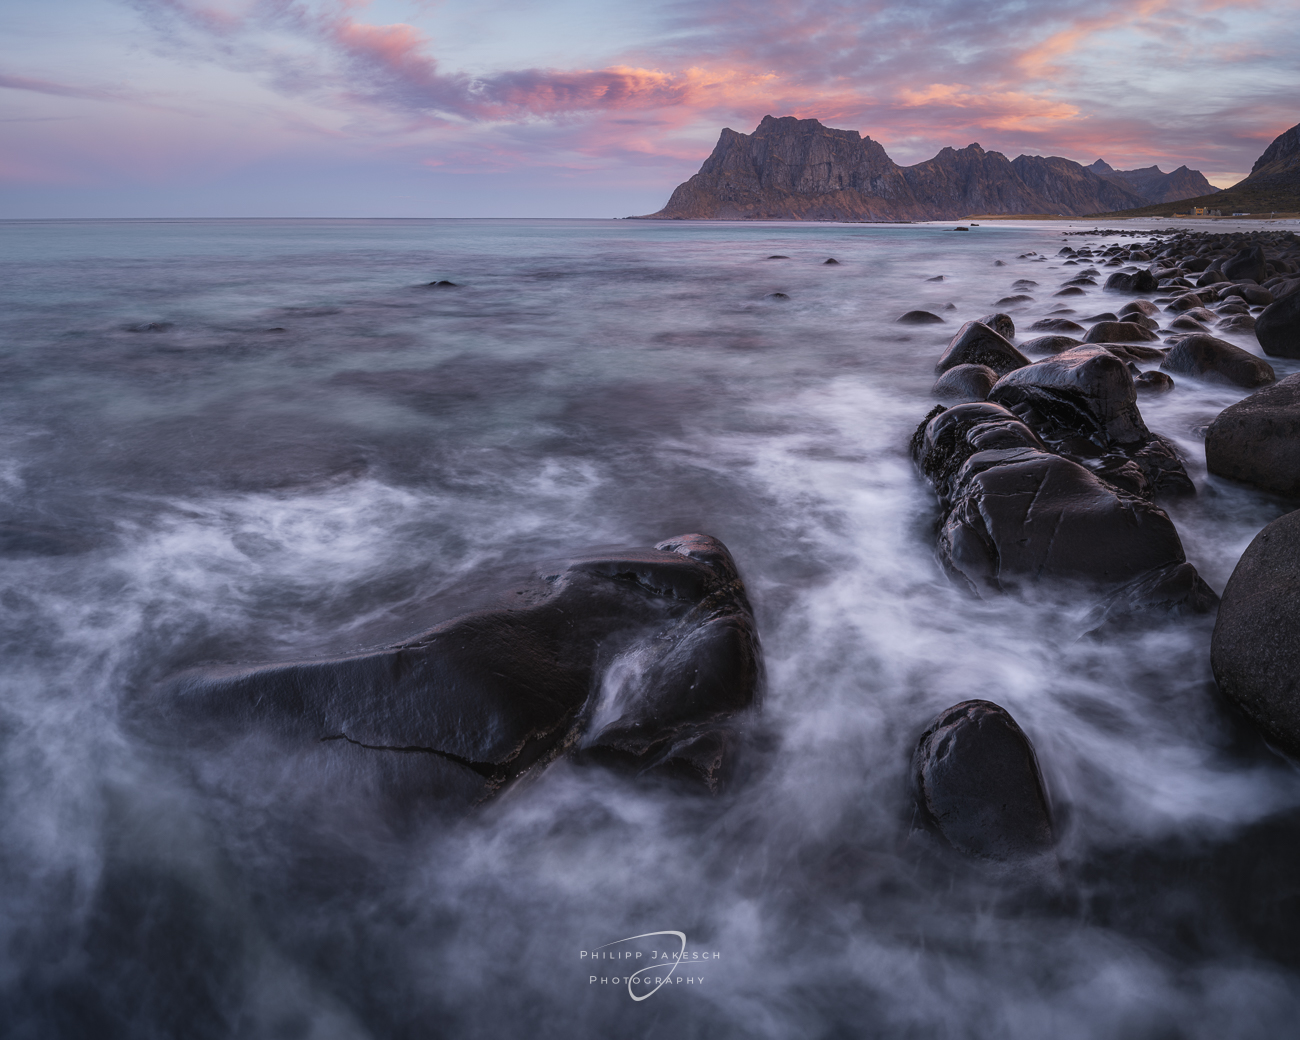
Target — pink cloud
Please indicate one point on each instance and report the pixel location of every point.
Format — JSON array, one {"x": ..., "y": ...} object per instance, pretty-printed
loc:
[{"x": 1039, "y": 77}]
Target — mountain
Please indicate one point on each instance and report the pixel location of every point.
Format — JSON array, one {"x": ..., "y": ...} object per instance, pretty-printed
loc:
[
  {"x": 798, "y": 169},
  {"x": 1272, "y": 187},
  {"x": 1155, "y": 186}
]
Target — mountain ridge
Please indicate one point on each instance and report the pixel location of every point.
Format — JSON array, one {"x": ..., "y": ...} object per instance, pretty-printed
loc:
[
  {"x": 1273, "y": 185},
  {"x": 799, "y": 169}
]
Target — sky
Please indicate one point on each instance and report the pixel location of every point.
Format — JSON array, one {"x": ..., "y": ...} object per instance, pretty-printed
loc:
[{"x": 579, "y": 108}]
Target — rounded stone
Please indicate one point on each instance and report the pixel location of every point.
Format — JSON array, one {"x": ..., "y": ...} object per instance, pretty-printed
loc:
[
  {"x": 1257, "y": 440},
  {"x": 1255, "y": 652},
  {"x": 978, "y": 785}
]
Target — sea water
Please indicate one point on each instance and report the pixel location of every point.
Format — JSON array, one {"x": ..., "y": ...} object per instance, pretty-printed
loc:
[{"x": 261, "y": 440}]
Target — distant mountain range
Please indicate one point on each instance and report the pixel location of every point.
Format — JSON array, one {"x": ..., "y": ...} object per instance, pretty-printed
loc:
[
  {"x": 1272, "y": 187},
  {"x": 798, "y": 169}
]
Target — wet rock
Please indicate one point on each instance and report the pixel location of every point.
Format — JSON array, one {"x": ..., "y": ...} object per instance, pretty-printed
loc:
[
  {"x": 977, "y": 784},
  {"x": 776, "y": 256},
  {"x": 1254, "y": 652},
  {"x": 1185, "y": 303},
  {"x": 1247, "y": 263},
  {"x": 1056, "y": 325},
  {"x": 1072, "y": 290},
  {"x": 1049, "y": 345},
  {"x": 1167, "y": 592},
  {"x": 977, "y": 344},
  {"x": 640, "y": 657},
  {"x": 1082, "y": 403},
  {"x": 1015, "y": 513},
  {"x": 1103, "y": 316},
  {"x": 1257, "y": 440},
  {"x": 1135, "y": 351},
  {"x": 1217, "y": 360},
  {"x": 830, "y": 260},
  {"x": 1186, "y": 323},
  {"x": 1002, "y": 324},
  {"x": 1278, "y": 327},
  {"x": 1237, "y": 323},
  {"x": 1252, "y": 294},
  {"x": 443, "y": 284},
  {"x": 919, "y": 318},
  {"x": 776, "y": 296},
  {"x": 965, "y": 382},
  {"x": 1137, "y": 281},
  {"x": 1119, "y": 332},
  {"x": 936, "y": 278},
  {"x": 1024, "y": 283},
  {"x": 1010, "y": 301},
  {"x": 1153, "y": 382},
  {"x": 1024, "y": 516}
]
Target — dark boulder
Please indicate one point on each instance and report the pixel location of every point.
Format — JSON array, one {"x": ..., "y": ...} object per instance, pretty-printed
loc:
[
  {"x": 977, "y": 344},
  {"x": 1056, "y": 325},
  {"x": 965, "y": 383},
  {"x": 919, "y": 318},
  {"x": 1186, "y": 302},
  {"x": 641, "y": 657},
  {"x": 1186, "y": 323},
  {"x": 1167, "y": 592},
  {"x": 1022, "y": 515},
  {"x": 1238, "y": 323},
  {"x": 950, "y": 436},
  {"x": 1252, "y": 294},
  {"x": 1049, "y": 345},
  {"x": 1247, "y": 263},
  {"x": 1257, "y": 441},
  {"x": 977, "y": 784},
  {"x": 1009, "y": 301},
  {"x": 1278, "y": 327},
  {"x": 1130, "y": 352},
  {"x": 1153, "y": 383},
  {"x": 1136, "y": 281},
  {"x": 1139, "y": 307},
  {"x": 1070, "y": 290},
  {"x": 1217, "y": 360},
  {"x": 1255, "y": 652},
  {"x": 1082, "y": 403},
  {"x": 1103, "y": 316},
  {"x": 1119, "y": 332},
  {"x": 1000, "y": 323}
]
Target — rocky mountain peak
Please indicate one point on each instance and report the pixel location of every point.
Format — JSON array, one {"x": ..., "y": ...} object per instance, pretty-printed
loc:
[
  {"x": 799, "y": 169},
  {"x": 1285, "y": 149}
]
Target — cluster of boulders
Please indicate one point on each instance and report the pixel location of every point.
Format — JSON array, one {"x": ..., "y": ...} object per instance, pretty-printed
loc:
[{"x": 1046, "y": 471}]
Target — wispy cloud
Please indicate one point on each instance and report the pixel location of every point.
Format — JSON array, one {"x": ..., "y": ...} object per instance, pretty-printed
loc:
[{"x": 1135, "y": 81}]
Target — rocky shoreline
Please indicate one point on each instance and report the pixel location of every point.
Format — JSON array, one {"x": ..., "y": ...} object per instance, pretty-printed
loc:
[
  {"x": 1045, "y": 472},
  {"x": 648, "y": 662}
]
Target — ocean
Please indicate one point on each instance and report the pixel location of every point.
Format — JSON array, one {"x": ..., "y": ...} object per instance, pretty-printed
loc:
[{"x": 250, "y": 441}]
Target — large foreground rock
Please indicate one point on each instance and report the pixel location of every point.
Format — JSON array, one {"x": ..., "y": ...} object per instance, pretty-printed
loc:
[
  {"x": 1217, "y": 360},
  {"x": 1278, "y": 327},
  {"x": 1257, "y": 441},
  {"x": 1255, "y": 652},
  {"x": 977, "y": 784},
  {"x": 638, "y": 657}
]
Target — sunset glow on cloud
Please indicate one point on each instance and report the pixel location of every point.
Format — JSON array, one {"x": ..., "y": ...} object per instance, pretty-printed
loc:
[{"x": 401, "y": 107}]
